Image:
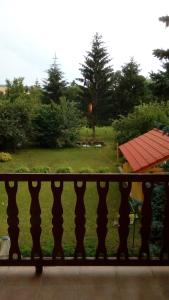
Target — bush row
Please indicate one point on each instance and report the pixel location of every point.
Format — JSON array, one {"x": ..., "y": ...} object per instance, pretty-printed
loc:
[
  {"x": 64, "y": 169},
  {"x": 50, "y": 126}
]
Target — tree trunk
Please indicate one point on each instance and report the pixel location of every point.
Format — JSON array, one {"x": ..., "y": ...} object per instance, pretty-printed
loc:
[{"x": 94, "y": 132}]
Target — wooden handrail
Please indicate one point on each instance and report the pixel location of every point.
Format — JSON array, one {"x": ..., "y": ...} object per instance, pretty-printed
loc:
[
  {"x": 80, "y": 180},
  {"x": 90, "y": 177}
]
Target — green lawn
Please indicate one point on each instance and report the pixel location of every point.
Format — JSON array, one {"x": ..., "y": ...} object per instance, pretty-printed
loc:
[{"x": 77, "y": 159}]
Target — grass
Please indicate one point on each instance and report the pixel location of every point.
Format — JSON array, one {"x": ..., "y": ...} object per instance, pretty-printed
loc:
[{"x": 77, "y": 159}]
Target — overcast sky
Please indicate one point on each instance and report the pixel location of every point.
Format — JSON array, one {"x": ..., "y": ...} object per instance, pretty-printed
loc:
[{"x": 31, "y": 32}]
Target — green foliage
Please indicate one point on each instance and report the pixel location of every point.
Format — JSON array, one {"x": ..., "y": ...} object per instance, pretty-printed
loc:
[
  {"x": 4, "y": 157},
  {"x": 1, "y": 95},
  {"x": 160, "y": 80},
  {"x": 96, "y": 82},
  {"x": 54, "y": 85},
  {"x": 86, "y": 170},
  {"x": 46, "y": 126},
  {"x": 15, "y": 125},
  {"x": 57, "y": 125},
  {"x": 158, "y": 202},
  {"x": 35, "y": 94},
  {"x": 165, "y": 19},
  {"x": 73, "y": 92},
  {"x": 103, "y": 170},
  {"x": 64, "y": 169},
  {"x": 158, "y": 207},
  {"x": 130, "y": 89},
  {"x": 160, "y": 83},
  {"x": 165, "y": 165},
  {"x": 160, "y": 53},
  {"x": 71, "y": 123},
  {"x": 22, "y": 169},
  {"x": 41, "y": 169},
  {"x": 144, "y": 118},
  {"x": 15, "y": 89}
]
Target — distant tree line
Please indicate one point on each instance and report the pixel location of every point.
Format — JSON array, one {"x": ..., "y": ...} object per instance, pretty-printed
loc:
[{"x": 101, "y": 95}]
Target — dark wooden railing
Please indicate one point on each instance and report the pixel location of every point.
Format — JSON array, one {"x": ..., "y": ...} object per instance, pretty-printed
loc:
[{"x": 102, "y": 181}]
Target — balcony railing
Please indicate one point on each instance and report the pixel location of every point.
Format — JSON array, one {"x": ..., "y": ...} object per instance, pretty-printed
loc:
[{"x": 79, "y": 181}]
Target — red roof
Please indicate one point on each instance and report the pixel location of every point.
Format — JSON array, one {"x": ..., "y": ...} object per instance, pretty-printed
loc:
[{"x": 146, "y": 150}]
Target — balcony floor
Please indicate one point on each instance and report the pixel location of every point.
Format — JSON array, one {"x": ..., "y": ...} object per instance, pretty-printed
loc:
[{"x": 100, "y": 283}]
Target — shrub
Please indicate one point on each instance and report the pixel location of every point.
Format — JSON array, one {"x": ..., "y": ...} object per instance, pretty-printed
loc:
[
  {"x": 144, "y": 118},
  {"x": 41, "y": 169},
  {"x": 64, "y": 170},
  {"x": 4, "y": 157},
  {"x": 71, "y": 123},
  {"x": 57, "y": 125},
  {"x": 22, "y": 170},
  {"x": 46, "y": 126},
  {"x": 15, "y": 125},
  {"x": 86, "y": 170},
  {"x": 104, "y": 170}
]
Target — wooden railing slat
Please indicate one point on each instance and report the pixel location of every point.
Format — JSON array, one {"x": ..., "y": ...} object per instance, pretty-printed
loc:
[
  {"x": 124, "y": 220},
  {"x": 57, "y": 220},
  {"x": 102, "y": 220},
  {"x": 80, "y": 219},
  {"x": 146, "y": 218},
  {"x": 35, "y": 220},
  {"x": 13, "y": 220}
]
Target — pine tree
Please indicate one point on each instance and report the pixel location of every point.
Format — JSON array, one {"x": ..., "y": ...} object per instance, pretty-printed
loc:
[
  {"x": 54, "y": 85},
  {"x": 96, "y": 83},
  {"x": 130, "y": 89},
  {"x": 160, "y": 53},
  {"x": 160, "y": 80}
]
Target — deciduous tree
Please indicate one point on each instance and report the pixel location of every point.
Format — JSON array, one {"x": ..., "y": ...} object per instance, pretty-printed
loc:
[{"x": 15, "y": 89}]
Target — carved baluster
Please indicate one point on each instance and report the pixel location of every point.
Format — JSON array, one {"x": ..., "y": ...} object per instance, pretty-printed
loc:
[
  {"x": 146, "y": 217},
  {"x": 57, "y": 220},
  {"x": 80, "y": 220},
  {"x": 13, "y": 221},
  {"x": 165, "y": 245},
  {"x": 102, "y": 219},
  {"x": 124, "y": 220},
  {"x": 35, "y": 220}
]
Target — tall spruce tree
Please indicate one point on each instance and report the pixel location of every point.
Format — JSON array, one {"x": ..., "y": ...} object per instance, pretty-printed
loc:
[
  {"x": 160, "y": 80},
  {"x": 54, "y": 85},
  {"x": 97, "y": 83}
]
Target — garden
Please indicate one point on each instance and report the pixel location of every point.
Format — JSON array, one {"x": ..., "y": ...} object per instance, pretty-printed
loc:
[
  {"x": 77, "y": 159},
  {"x": 59, "y": 160},
  {"x": 58, "y": 127}
]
